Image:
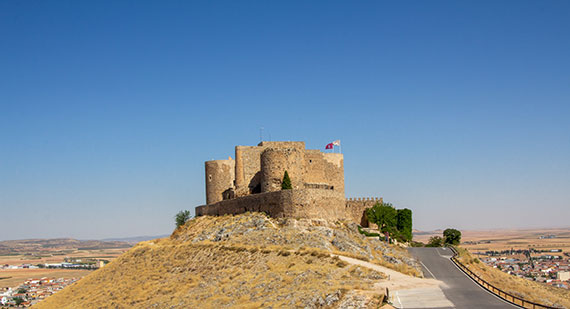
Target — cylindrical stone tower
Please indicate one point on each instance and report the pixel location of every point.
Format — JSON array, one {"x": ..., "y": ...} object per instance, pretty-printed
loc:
[
  {"x": 220, "y": 175},
  {"x": 240, "y": 184},
  {"x": 274, "y": 163}
]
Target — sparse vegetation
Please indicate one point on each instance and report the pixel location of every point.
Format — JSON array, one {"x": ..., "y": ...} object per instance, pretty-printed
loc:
[
  {"x": 18, "y": 301},
  {"x": 435, "y": 241},
  {"x": 417, "y": 244},
  {"x": 367, "y": 234},
  {"x": 181, "y": 217},
  {"x": 240, "y": 260},
  {"x": 403, "y": 268}
]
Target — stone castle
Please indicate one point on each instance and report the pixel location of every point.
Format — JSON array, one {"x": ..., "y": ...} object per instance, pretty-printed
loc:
[{"x": 252, "y": 182}]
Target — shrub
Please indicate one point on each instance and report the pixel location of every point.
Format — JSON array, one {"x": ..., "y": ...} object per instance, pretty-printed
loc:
[
  {"x": 181, "y": 217},
  {"x": 416, "y": 244},
  {"x": 435, "y": 241},
  {"x": 366, "y": 233},
  {"x": 18, "y": 300}
]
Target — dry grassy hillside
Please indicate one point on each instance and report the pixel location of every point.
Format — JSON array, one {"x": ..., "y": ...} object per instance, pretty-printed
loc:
[
  {"x": 529, "y": 290},
  {"x": 245, "y": 261}
]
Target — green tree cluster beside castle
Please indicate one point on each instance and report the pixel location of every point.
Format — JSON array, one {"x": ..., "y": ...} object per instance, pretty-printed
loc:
[{"x": 396, "y": 222}]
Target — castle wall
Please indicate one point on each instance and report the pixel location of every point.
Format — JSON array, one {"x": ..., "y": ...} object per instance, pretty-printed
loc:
[
  {"x": 325, "y": 168},
  {"x": 253, "y": 183},
  {"x": 219, "y": 178},
  {"x": 248, "y": 165},
  {"x": 303, "y": 203},
  {"x": 248, "y": 169},
  {"x": 315, "y": 167},
  {"x": 274, "y": 163},
  {"x": 297, "y": 145},
  {"x": 356, "y": 210},
  {"x": 334, "y": 170}
]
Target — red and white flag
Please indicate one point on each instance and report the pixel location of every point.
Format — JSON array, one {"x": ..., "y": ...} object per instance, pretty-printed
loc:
[
  {"x": 329, "y": 146},
  {"x": 336, "y": 143}
]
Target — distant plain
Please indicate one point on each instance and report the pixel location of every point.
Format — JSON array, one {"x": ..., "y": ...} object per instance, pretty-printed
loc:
[
  {"x": 506, "y": 239},
  {"x": 34, "y": 252}
]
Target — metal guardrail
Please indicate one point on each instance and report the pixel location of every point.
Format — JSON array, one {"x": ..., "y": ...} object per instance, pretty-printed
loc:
[{"x": 515, "y": 300}]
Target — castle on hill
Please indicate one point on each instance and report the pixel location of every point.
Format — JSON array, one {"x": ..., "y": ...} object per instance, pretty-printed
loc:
[{"x": 252, "y": 182}]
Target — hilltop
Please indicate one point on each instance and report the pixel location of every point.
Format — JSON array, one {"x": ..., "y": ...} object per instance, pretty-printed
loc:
[{"x": 247, "y": 260}]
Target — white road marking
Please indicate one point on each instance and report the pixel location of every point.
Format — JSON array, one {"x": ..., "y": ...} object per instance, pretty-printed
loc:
[
  {"x": 482, "y": 288},
  {"x": 399, "y": 301},
  {"x": 424, "y": 265},
  {"x": 440, "y": 253}
]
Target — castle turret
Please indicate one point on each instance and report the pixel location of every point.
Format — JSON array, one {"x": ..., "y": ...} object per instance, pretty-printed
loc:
[
  {"x": 220, "y": 175},
  {"x": 274, "y": 163}
]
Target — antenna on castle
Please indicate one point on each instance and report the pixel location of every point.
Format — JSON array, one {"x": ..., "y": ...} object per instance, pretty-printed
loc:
[{"x": 261, "y": 134}]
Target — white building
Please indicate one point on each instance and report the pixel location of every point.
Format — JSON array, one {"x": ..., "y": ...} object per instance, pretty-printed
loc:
[{"x": 563, "y": 275}]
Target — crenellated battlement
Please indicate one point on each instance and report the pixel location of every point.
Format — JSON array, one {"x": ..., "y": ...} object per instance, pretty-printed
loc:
[
  {"x": 356, "y": 209},
  {"x": 363, "y": 199}
]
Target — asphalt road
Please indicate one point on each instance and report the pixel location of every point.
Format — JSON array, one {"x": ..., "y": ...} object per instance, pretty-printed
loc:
[{"x": 459, "y": 289}]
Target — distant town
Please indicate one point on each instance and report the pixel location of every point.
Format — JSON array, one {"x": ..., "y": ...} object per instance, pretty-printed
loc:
[
  {"x": 532, "y": 264},
  {"x": 31, "y": 291}
]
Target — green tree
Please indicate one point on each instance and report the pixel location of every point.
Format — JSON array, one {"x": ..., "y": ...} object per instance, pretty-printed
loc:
[
  {"x": 435, "y": 241},
  {"x": 181, "y": 217},
  {"x": 451, "y": 237},
  {"x": 404, "y": 224},
  {"x": 21, "y": 291},
  {"x": 286, "y": 183},
  {"x": 384, "y": 215}
]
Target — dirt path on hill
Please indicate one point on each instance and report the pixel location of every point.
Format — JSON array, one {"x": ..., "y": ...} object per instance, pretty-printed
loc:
[
  {"x": 407, "y": 291},
  {"x": 396, "y": 280}
]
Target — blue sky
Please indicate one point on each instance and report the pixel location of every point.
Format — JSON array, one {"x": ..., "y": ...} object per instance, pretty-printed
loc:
[{"x": 456, "y": 110}]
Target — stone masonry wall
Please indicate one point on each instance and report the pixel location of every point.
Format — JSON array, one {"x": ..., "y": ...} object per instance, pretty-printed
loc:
[
  {"x": 274, "y": 163},
  {"x": 303, "y": 203},
  {"x": 356, "y": 210},
  {"x": 334, "y": 170},
  {"x": 219, "y": 178},
  {"x": 303, "y": 165},
  {"x": 324, "y": 168},
  {"x": 248, "y": 169}
]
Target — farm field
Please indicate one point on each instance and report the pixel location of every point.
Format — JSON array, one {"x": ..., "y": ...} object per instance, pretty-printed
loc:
[
  {"x": 14, "y": 277},
  {"x": 58, "y": 256},
  {"x": 506, "y": 239}
]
